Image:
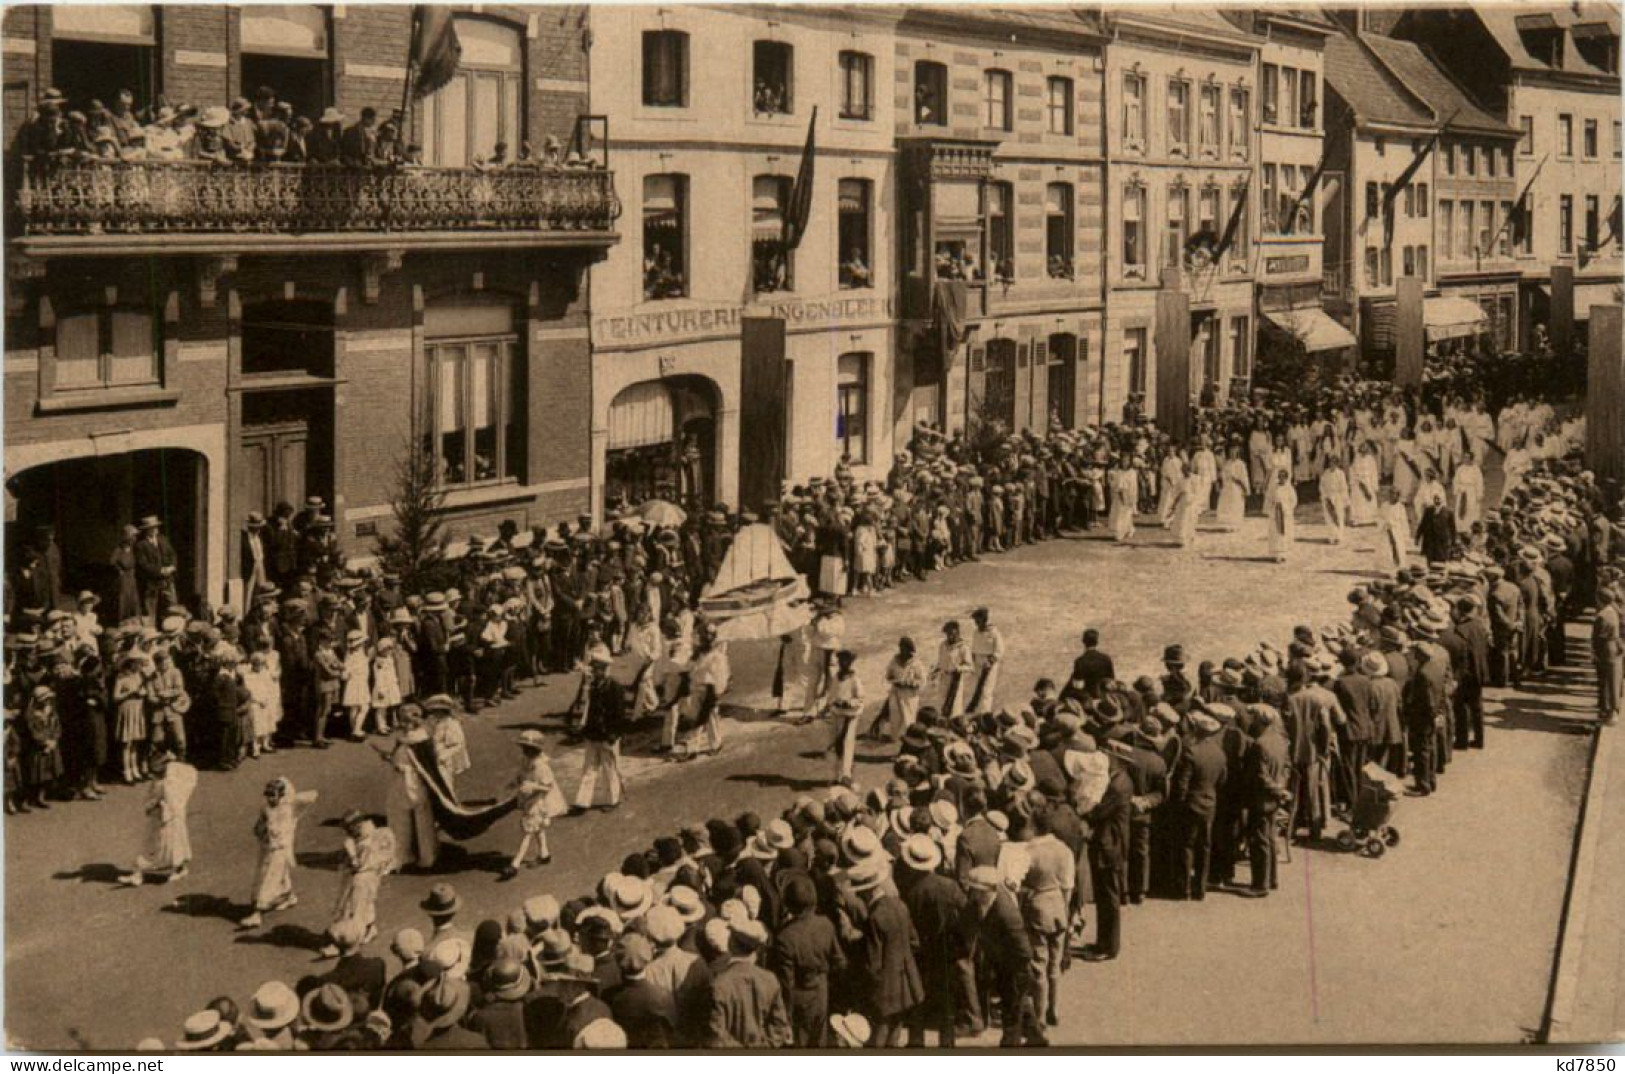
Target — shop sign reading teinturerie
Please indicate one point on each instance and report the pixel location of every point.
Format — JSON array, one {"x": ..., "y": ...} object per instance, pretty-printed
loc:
[{"x": 681, "y": 323}]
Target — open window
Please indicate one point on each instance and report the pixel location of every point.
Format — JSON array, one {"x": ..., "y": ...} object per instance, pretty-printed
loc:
[
  {"x": 1059, "y": 233},
  {"x": 856, "y": 241},
  {"x": 771, "y": 268},
  {"x": 852, "y": 407},
  {"x": 930, "y": 93},
  {"x": 285, "y": 48},
  {"x": 773, "y": 72},
  {"x": 1001, "y": 231},
  {"x": 476, "y": 393},
  {"x": 665, "y": 236},
  {"x": 99, "y": 49}
]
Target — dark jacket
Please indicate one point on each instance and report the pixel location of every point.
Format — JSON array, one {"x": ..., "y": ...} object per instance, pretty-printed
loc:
[{"x": 1199, "y": 776}]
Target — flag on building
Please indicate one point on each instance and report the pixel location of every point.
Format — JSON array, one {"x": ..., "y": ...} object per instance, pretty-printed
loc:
[
  {"x": 1400, "y": 183},
  {"x": 435, "y": 52},
  {"x": 1304, "y": 195},
  {"x": 1234, "y": 225},
  {"x": 1518, "y": 221},
  {"x": 800, "y": 207}
]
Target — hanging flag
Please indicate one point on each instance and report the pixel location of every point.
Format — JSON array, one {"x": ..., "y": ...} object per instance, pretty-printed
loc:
[
  {"x": 800, "y": 207},
  {"x": 435, "y": 52},
  {"x": 1404, "y": 180},
  {"x": 1613, "y": 225},
  {"x": 1234, "y": 224},
  {"x": 1518, "y": 219}
]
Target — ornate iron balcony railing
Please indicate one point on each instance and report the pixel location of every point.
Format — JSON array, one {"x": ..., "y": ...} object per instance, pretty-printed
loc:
[{"x": 183, "y": 197}]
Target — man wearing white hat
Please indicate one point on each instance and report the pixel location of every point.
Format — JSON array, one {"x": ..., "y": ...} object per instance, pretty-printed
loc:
[{"x": 603, "y": 725}]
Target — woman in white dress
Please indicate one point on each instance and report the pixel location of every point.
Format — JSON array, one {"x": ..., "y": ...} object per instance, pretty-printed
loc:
[
  {"x": 1124, "y": 481},
  {"x": 356, "y": 696},
  {"x": 1364, "y": 482},
  {"x": 1283, "y": 525},
  {"x": 386, "y": 688},
  {"x": 276, "y": 829},
  {"x": 263, "y": 693},
  {"x": 1233, "y": 489},
  {"x": 865, "y": 553},
  {"x": 1170, "y": 486},
  {"x": 369, "y": 856},
  {"x": 1280, "y": 459},
  {"x": 1334, "y": 498},
  {"x": 1407, "y": 469},
  {"x": 167, "y": 847},
  {"x": 1467, "y": 493},
  {"x": 1393, "y": 535},
  {"x": 1192, "y": 498},
  {"x": 1206, "y": 465}
]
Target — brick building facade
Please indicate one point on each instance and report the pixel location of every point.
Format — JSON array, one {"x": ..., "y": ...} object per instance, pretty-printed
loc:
[{"x": 199, "y": 341}]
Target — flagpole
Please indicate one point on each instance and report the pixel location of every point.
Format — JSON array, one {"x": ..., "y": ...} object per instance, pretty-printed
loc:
[{"x": 411, "y": 70}]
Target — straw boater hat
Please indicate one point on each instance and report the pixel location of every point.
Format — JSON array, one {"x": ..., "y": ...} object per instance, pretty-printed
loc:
[
  {"x": 273, "y": 1006},
  {"x": 202, "y": 1031}
]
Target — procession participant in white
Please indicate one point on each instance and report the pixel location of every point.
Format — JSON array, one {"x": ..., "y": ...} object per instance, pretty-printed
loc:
[
  {"x": 357, "y": 695},
  {"x": 1171, "y": 483},
  {"x": 1334, "y": 498},
  {"x": 407, "y": 808},
  {"x": 1189, "y": 504},
  {"x": 1124, "y": 482},
  {"x": 987, "y": 653},
  {"x": 1393, "y": 535},
  {"x": 540, "y": 800},
  {"x": 1467, "y": 492},
  {"x": 1233, "y": 489},
  {"x": 905, "y": 675},
  {"x": 1283, "y": 524},
  {"x": 167, "y": 848},
  {"x": 845, "y": 704},
  {"x": 450, "y": 741},
  {"x": 1205, "y": 465},
  {"x": 953, "y": 670},
  {"x": 824, "y": 637},
  {"x": 1365, "y": 480},
  {"x": 707, "y": 682},
  {"x": 668, "y": 675},
  {"x": 276, "y": 829},
  {"x": 369, "y": 855}
]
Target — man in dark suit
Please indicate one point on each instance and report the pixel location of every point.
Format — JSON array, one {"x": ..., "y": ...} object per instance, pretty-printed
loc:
[
  {"x": 154, "y": 570},
  {"x": 499, "y": 1015},
  {"x": 1266, "y": 775},
  {"x": 434, "y": 642},
  {"x": 935, "y": 904},
  {"x": 1091, "y": 671},
  {"x": 298, "y": 671},
  {"x": 1353, "y": 690},
  {"x": 1109, "y": 824},
  {"x": 1149, "y": 772},
  {"x": 996, "y": 938},
  {"x": 1506, "y": 626},
  {"x": 978, "y": 839},
  {"x": 1468, "y": 643},
  {"x": 1194, "y": 793},
  {"x": 804, "y": 955}
]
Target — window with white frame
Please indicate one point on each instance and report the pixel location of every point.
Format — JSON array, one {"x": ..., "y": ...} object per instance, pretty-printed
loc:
[
  {"x": 1592, "y": 222},
  {"x": 1565, "y": 135},
  {"x": 1058, "y": 108},
  {"x": 1270, "y": 187},
  {"x": 1469, "y": 233},
  {"x": 483, "y": 104},
  {"x": 1134, "y": 111},
  {"x": 773, "y": 78},
  {"x": 997, "y": 100},
  {"x": 1241, "y": 123},
  {"x": 1207, "y": 126},
  {"x": 852, "y": 407},
  {"x": 1134, "y": 241},
  {"x": 1058, "y": 230},
  {"x": 1001, "y": 231},
  {"x": 1178, "y": 224},
  {"x": 109, "y": 346},
  {"x": 1207, "y": 214},
  {"x": 1526, "y": 143},
  {"x": 665, "y": 69},
  {"x": 476, "y": 394},
  {"x": 857, "y": 85},
  {"x": 1486, "y": 227},
  {"x": 1588, "y": 140},
  {"x": 1308, "y": 101},
  {"x": 1241, "y": 349},
  {"x": 1179, "y": 116},
  {"x": 1134, "y": 359},
  {"x": 1447, "y": 224},
  {"x": 1504, "y": 240},
  {"x": 1271, "y": 93}
]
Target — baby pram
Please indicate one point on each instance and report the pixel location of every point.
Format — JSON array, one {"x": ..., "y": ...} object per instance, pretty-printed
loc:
[{"x": 1370, "y": 831}]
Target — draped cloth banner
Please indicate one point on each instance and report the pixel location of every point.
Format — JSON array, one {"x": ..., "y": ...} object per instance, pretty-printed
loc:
[
  {"x": 457, "y": 820},
  {"x": 1173, "y": 343}
]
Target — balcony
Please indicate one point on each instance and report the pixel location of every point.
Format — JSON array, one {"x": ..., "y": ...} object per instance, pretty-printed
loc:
[{"x": 184, "y": 207}]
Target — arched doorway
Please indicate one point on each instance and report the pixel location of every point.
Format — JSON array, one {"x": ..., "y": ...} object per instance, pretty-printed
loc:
[
  {"x": 662, "y": 443},
  {"x": 86, "y": 502}
]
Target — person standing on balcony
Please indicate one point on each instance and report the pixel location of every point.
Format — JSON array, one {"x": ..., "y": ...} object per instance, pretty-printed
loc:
[
  {"x": 121, "y": 117},
  {"x": 45, "y": 138},
  {"x": 359, "y": 146},
  {"x": 325, "y": 144},
  {"x": 271, "y": 137},
  {"x": 241, "y": 133}
]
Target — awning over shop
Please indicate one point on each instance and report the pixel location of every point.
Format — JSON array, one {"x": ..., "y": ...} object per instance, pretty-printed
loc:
[
  {"x": 640, "y": 416},
  {"x": 1587, "y": 295},
  {"x": 1451, "y": 317},
  {"x": 1313, "y": 327}
]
